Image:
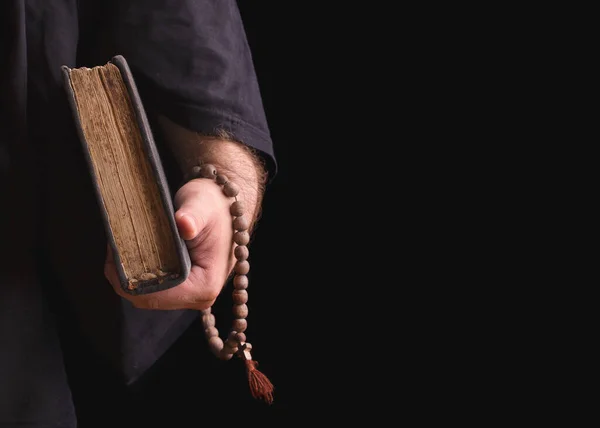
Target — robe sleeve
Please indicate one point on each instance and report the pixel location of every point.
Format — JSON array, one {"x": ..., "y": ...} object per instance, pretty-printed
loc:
[{"x": 193, "y": 64}]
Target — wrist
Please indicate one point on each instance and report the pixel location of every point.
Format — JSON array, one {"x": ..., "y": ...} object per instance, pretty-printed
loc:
[
  {"x": 232, "y": 159},
  {"x": 237, "y": 163},
  {"x": 237, "y": 166}
]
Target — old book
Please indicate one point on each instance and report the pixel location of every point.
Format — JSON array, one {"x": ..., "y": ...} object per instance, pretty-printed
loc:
[{"x": 128, "y": 176}]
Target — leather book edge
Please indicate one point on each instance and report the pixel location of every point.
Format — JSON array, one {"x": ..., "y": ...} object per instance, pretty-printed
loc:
[{"x": 155, "y": 161}]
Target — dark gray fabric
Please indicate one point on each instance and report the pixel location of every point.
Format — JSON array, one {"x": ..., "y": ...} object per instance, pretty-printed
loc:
[
  {"x": 33, "y": 386},
  {"x": 192, "y": 63}
]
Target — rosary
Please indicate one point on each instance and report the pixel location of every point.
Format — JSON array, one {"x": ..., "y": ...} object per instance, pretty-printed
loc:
[{"x": 235, "y": 344}]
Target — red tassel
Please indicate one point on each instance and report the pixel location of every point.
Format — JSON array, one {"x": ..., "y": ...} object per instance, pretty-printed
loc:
[{"x": 260, "y": 386}]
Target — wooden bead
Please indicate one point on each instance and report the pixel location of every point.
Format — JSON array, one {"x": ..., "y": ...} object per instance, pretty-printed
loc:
[
  {"x": 208, "y": 171},
  {"x": 211, "y": 331},
  {"x": 237, "y": 209},
  {"x": 240, "y": 311},
  {"x": 239, "y": 297},
  {"x": 241, "y": 237},
  {"x": 195, "y": 172},
  {"x": 231, "y": 189},
  {"x": 215, "y": 344},
  {"x": 226, "y": 350},
  {"x": 241, "y": 252},
  {"x": 208, "y": 320},
  {"x": 240, "y": 282},
  {"x": 231, "y": 336},
  {"x": 222, "y": 179},
  {"x": 231, "y": 344},
  {"x": 224, "y": 355},
  {"x": 230, "y": 347},
  {"x": 242, "y": 267},
  {"x": 240, "y": 325},
  {"x": 241, "y": 223}
]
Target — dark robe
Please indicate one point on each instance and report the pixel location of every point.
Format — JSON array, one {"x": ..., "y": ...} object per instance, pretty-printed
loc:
[{"x": 192, "y": 63}]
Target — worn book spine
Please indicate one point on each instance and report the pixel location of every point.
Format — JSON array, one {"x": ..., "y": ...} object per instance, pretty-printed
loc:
[{"x": 152, "y": 154}]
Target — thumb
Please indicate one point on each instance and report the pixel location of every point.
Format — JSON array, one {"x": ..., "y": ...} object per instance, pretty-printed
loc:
[
  {"x": 186, "y": 223},
  {"x": 192, "y": 210}
]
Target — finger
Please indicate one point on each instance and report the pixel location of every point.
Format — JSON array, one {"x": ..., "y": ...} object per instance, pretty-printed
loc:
[
  {"x": 186, "y": 223},
  {"x": 193, "y": 210},
  {"x": 191, "y": 294}
]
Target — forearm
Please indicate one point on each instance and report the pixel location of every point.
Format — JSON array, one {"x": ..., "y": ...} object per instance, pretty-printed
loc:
[{"x": 235, "y": 160}]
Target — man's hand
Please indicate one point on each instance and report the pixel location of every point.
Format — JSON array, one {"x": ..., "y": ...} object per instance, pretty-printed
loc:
[
  {"x": 203, "y": 217},
  {"x": 204, "y": 222}
]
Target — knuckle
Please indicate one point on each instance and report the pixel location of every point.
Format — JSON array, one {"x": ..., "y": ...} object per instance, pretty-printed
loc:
[{"x": 153, "y": 303}]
